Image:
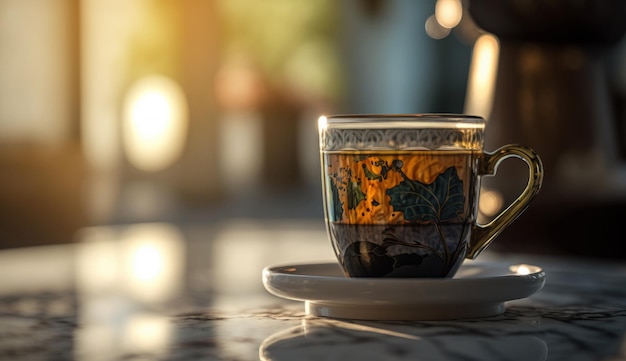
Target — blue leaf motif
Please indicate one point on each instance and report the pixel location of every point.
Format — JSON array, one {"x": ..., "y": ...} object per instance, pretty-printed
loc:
[{"x": 442, "y": 200}]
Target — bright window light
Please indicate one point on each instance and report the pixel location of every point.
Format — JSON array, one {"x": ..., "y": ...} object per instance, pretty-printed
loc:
[{"x": 155, "y": 123}]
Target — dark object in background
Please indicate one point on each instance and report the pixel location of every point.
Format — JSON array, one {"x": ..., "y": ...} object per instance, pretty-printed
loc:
[
  {"x": 591, "y": 22},
  {"x": 553, "y": 93}
]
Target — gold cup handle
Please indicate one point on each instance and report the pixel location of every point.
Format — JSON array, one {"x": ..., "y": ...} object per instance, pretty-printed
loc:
[{"x": 484, "y": 234}]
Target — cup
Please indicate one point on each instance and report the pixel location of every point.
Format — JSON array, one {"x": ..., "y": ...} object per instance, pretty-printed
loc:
[{"x": 401, "y": 192}]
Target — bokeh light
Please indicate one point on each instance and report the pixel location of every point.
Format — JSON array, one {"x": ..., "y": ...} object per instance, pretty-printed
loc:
[
  {"x": 490, "y": 202},
  {"x": 448, "y": 13},
  {"x": 155, "y": 123},
  {"x": 482, "y": 76},
  {"x": 434, "y": 29}
]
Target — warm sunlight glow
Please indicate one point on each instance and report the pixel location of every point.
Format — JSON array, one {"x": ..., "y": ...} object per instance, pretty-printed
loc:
[
  {"x": 147, "y": 263},
  {"x": 322, "y": 123},
  {"x": 153, "y": 262},
  {"x": 448, "y": 13},
  {"x": 155, "y": 123},
  {"x": 490, "y": 202},
  {"x": 147, "y": 334},
  {"x": 121, "y": 273},
  {"x": 521, "y": 269},
  {"x": 482, "y": 76}
]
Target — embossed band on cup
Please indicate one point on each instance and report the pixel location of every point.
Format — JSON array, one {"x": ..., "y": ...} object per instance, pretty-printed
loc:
[{"x": 401, "y": 132}]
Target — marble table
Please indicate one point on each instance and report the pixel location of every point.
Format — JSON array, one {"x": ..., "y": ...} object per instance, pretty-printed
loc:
[{"x": 159, "y": 291}]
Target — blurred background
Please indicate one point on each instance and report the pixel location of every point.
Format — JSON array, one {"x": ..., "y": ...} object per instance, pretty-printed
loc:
[{"x": 196, "y": 111}]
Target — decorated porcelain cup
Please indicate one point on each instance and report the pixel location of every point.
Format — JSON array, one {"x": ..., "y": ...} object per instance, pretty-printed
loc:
[{"x": 401, "y": 192}]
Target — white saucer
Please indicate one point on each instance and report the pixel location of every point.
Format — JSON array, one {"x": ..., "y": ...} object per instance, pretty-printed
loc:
[{"x": 477, "y": 290}]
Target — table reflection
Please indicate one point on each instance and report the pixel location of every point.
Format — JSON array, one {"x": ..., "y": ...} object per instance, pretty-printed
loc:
[
  {"x": 492, "y": 340},
  {"x": 123, "y": 281},
  {"x": 130, "y": 280},
  {"x": 194, "y": 292}
]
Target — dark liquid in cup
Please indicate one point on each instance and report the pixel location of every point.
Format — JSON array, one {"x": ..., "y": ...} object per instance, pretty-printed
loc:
[{"x": 407, "y": 214}]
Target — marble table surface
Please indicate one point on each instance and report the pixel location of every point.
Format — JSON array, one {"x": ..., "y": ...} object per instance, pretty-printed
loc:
[{"x": 158, "y": 291}]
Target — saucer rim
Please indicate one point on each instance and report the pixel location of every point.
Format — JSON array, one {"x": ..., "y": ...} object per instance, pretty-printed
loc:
[{"x": 328, "y": 295}]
